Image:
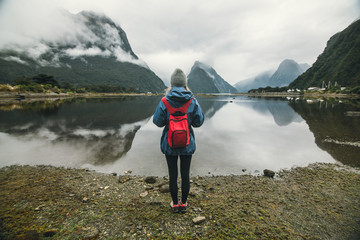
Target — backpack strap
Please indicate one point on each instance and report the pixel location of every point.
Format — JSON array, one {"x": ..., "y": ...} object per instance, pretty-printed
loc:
[{"x": 173, "y": 110}]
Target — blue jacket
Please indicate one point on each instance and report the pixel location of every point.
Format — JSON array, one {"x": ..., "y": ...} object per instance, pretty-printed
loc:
[{"x": 177, "y": 97}]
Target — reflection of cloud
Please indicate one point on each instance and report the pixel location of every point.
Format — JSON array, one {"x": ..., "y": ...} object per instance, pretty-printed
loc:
[
  {"x": 87, "y": 133},
  {"x": 210, "y": 105},
  {"x": 242, "y": 138},
  {"x": 92, "y": 146},
  {"x": 24, "y": 127},
  {"x": 93, "y": 131},
  {"x": 45, "y": 133},
  {"x": 101, "y": 133}
]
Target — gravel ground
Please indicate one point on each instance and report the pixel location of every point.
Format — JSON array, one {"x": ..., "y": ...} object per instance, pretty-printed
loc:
[{"x": 321, "y": 201}]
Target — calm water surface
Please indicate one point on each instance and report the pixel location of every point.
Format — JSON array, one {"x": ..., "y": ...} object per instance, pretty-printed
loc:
[{"x": 240, "y": 134}]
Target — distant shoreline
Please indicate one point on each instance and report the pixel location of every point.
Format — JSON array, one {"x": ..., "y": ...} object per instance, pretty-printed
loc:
[
  {"x": 26, "y": 97},
  {"x": 8, "y": 96}
]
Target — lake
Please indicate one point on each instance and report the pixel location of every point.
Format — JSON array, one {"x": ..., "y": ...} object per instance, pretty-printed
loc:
[{"x": 240, "y": 135}]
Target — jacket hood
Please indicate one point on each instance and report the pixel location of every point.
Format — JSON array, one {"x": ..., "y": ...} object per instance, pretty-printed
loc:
[{"x": 179, "y": 94}]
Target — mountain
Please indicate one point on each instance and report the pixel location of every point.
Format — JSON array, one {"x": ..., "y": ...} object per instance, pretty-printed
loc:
[
  {"x": 96, "y": 51},
  {"x": 340, "y": 62},
  {"x": 287, "y": 71},
  {"x": 204, "y": 79},
  {"x": 260, "y": 80}
]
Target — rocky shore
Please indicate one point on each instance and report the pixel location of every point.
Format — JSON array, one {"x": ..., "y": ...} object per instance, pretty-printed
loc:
[{"x": 321, "y": 201}]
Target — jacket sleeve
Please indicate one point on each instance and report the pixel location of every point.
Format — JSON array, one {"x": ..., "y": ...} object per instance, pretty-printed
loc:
[
  {"x": 160, "y": 115},
  {"x": 197, "y": 115}
]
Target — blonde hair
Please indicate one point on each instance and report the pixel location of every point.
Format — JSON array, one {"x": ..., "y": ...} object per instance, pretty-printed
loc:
[{"x": 169, "y": 89}]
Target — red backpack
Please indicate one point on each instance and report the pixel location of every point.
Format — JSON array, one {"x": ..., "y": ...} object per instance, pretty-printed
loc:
[{"x": 178, "y": 133}]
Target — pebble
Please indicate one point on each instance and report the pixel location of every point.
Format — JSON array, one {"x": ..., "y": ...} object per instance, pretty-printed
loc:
[
  {"x": 199, "y": 219},
  {"x": 128, "y": 172},
  {"x": 150, "y": 179},
  {"x": 50, "y": 232},
  {"x": 164, "y": 189},
  {"x": 269, "y": 173},
  {"x": 144, "y": 194},
  {"x": 123, "y": 179}
]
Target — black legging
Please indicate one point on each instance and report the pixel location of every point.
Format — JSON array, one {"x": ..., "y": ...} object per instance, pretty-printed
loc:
[{"x": 185, "y": 161}]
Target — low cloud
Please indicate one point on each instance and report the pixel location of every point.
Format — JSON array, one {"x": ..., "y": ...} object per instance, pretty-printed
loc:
[
  {"x": 238, "y": 38},
  {"x": 46, "y": 28},
  {"x": 15, "y": 59},
  {"x": 81, "y": 51}
]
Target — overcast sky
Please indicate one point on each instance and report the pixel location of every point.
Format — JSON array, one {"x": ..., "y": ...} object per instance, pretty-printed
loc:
[{"x": 239, "y": 39}]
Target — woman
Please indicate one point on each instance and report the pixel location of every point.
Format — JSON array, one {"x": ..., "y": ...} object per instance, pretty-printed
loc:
[{"x": 177, "y": 95}]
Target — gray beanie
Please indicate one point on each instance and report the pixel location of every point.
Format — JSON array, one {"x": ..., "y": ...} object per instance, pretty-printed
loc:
[{"x": 178, "y": 78}]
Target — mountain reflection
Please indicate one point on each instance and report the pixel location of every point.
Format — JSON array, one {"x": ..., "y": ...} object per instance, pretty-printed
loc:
[
  {"x": 117, "y": 134},
  {"x": 209, "y": 106},
  {"x": 334, "y": 130},
  {"x": 95, "y": 131},
  {"x": 282, "y": 113},
  {"x": 104, "y": 128}
]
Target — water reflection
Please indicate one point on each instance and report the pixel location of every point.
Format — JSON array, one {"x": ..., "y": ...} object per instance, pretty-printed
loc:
[
  {"x": 282, "y": 113},
  {"x": 73, "y": 132},
  {"x": 335, "y": 131},
  {"x": 240, "y": 134},
  {"x": 250, "y": 134}
]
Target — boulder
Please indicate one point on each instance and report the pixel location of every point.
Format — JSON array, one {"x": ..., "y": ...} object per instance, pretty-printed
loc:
[
  {"x": 50, "y": 232},
  {"x": 150, "y": 179},
  {"x": 164, "y": 189},
  {"x": 269, "y": 173}
]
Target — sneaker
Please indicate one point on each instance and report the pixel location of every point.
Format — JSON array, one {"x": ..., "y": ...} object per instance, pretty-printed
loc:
[
  {"x": 183, "y": 207},
  {"x": 175, "y": 207}
]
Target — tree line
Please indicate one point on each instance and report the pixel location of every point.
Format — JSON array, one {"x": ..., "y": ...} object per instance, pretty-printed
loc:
[{"x": 43, "y": 83}]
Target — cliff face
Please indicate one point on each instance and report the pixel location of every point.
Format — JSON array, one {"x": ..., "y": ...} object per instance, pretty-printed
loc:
[
  {"x": 339, "y": 63},
  {"x": 287, "y": 72},
  {"x": 99, "y": 54},
  {"x": 204, "y": 79}
]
